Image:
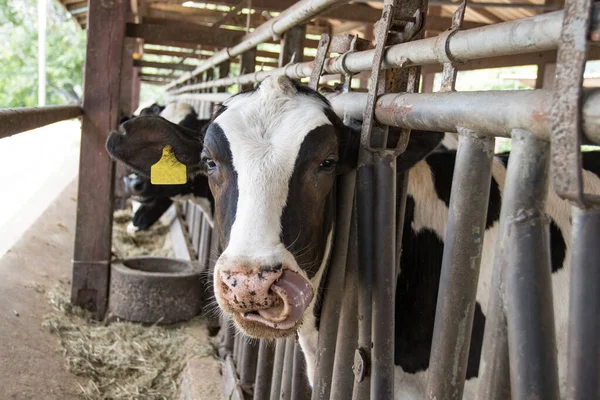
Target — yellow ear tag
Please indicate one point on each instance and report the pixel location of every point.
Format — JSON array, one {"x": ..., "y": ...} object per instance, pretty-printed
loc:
[{"x": 168, "y": 170}]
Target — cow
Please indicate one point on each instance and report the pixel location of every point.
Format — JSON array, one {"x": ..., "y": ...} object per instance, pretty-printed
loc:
[
  {"x": 149, "y": 201},
  {"x": 272, "y": 156}
]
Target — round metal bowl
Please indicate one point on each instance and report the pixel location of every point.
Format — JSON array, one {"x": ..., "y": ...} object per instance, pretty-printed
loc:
[{"x": 155, "y": 290}]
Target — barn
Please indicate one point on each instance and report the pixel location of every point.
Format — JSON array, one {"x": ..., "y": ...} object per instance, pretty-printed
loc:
[{"x": 443, "y": 271}]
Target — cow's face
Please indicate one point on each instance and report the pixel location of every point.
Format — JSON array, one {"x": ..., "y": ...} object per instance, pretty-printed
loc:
[{"x": 271, "y": 159}]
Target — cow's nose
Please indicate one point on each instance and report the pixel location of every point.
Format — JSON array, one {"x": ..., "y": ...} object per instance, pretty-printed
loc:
[{"x": 247, "y": 290}]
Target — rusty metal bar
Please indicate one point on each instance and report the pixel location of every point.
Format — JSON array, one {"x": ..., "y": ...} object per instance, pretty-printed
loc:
[
  {"x": 17, "y": 120},
  {"x": 535, "y": 34},
  {"x": 300, "y": 12},
  {"x": 248, "y": 365},
  {"x": 277, "y": 369},
  {"x": 338, "y": 318},
  {"x": 264, "y": 370},
  {"x": 288, "y": 369},
  {"x": 527, "y": 275},
  {"x": 460, "y": 265},
  {"x": 584, "y": 307},
  {"x": 300, "y": 387},
  {"x": 490, "y": 113},
  {"x": 567, "y": 178}
]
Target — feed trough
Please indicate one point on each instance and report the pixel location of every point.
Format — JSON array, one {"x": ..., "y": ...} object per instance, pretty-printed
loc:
[{"x": 155, "y": 290}]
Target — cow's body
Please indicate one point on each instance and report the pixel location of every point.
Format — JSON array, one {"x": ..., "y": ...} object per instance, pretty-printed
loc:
[{"x": 268, "y": 156}]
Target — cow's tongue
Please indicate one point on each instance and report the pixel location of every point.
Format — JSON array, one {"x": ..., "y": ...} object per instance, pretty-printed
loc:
[{"x": 296, "y": 294}]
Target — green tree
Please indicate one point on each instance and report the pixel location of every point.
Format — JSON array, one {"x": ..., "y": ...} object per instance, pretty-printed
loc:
[{"x": 65, "y": 54}]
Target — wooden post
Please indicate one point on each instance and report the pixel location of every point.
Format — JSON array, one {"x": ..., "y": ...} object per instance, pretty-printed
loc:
[
  {"x": 292, "y": 43},
  {"x": 93, "y": 230},
  {"x": 248, "y": 65},
  {"x": 136, "y": 79}
]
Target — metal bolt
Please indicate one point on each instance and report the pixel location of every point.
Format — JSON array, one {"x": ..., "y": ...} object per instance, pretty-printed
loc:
[{"x": 360, "y": 365}]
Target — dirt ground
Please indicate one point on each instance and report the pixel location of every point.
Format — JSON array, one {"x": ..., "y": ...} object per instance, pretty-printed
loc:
[{"x": 32, "y": 365}]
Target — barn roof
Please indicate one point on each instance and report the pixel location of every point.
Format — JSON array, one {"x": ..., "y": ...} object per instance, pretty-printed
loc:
[{"x": 184, "y": 32}]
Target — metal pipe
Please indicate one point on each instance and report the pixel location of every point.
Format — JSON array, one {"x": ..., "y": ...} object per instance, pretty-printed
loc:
[
  {"x": 473, "y": 4},
  {"x": 300, "y": 387},
  {"x": 460, "y": 266},
  {"x": 288, "y": 369},
  {"x": 17, "y": 120},
  {"x": 264, "y": 370},
  {"x": 364, "y": 209},
  {"x": 584, "y": 308},
  {"x": 277, "y": 369},
  {"x": 297, "y": 14},
  {"x": 347, "y": 333},
  {"x": 248, "y": 365},
  {"x": 194, "y": 97},
  {"x": 527, "y": 276},
  {"x": 528, "y": 35},
  {"x": 492, "y": 113},
  {"x": 384, "y": 277}
]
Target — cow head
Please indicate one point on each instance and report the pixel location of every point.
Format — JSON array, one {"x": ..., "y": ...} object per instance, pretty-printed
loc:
[{"x": 271, "y": 156}]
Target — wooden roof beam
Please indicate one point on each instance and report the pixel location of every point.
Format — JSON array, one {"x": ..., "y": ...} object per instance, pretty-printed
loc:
[
  {"x": 165, "y": 34},
  {"x": 151, "y": 64}
]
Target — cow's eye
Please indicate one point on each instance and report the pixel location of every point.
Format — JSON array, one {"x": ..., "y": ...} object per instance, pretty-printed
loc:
[
  {"x": 210, "y": 164},
  {"x": 328, "y": 164}
]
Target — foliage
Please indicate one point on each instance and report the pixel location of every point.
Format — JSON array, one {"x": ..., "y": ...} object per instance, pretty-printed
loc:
[{"x": 65, "y": 54}]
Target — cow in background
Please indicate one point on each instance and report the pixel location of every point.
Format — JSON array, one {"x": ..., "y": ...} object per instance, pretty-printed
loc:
[{"x": 149, "y": 202}]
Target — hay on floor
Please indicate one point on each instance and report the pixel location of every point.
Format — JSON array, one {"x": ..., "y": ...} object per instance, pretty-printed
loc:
[
  {"x": 155, "y": 241},
  {"x": 121, "y": 360}
]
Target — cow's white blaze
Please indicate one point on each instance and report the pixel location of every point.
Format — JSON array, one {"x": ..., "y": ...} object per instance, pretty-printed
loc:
[{"x": 265, "y": 130}]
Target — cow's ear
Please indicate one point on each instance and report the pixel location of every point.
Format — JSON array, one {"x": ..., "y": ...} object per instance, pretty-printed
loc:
[
  {"x": 139, "y": 144},
  {"x": 420, "y": 145}
]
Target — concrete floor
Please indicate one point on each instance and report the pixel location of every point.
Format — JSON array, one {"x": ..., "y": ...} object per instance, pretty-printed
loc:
[{"x": 31, "y": 366}]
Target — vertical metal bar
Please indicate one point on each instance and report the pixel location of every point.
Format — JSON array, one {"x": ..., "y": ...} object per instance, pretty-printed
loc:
[
  {"x": 300, "y": 386},
  {"x": 494, "y": 377},
  {"x": 227, "y": 338},
  {"x": 93, "y": 230},
  {"x": 264, "y": 370},
  {"x": 198, "y": 217},
  {"x": 277, "y": 369},
  {"x": 460, "y": 266},
  {"x": 583, "y": 370},
  {"x": 364, "y": 210},
  {"x": 248, "y": 365},
  {"x": 330, "y": 312},
  {"x": 527, "y": 276},
  {"x": 384, "y": 279},
  {"x": 347, "y": 333},
  {"x": 288, "y": 368}
]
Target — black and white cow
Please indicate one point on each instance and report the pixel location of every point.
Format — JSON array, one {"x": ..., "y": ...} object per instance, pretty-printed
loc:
[
  {"x": 271, "y": 157},
  {"x": 150, "y": 201}
]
